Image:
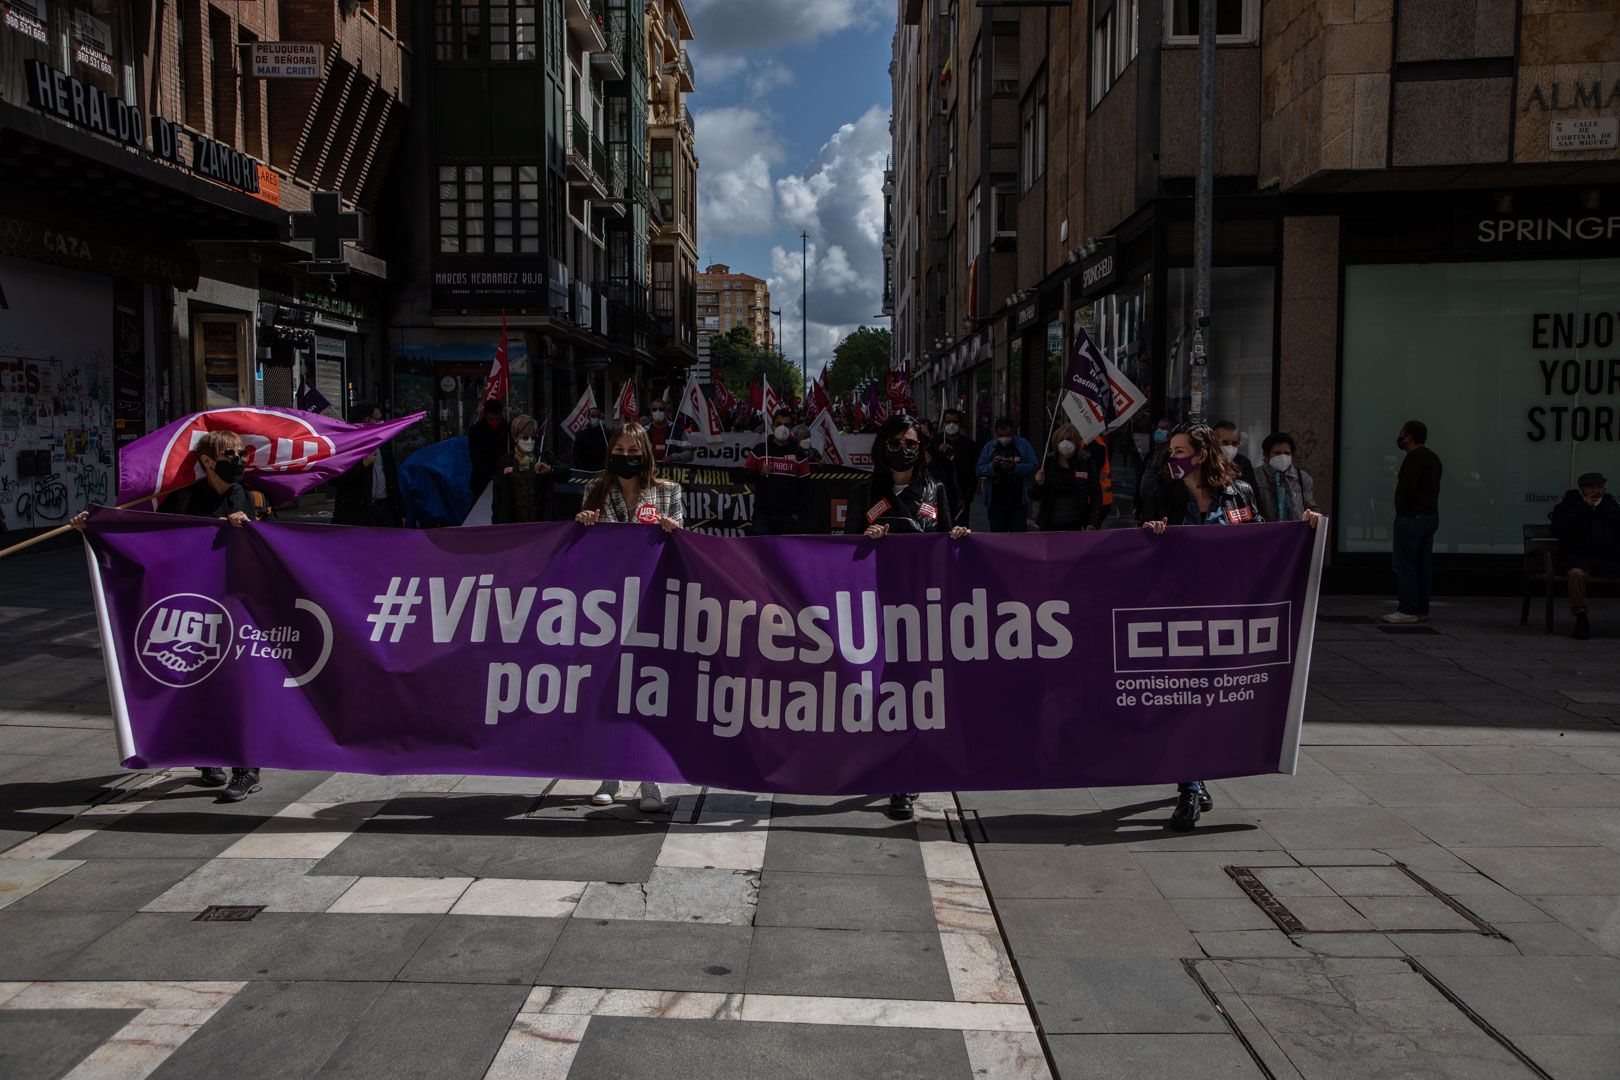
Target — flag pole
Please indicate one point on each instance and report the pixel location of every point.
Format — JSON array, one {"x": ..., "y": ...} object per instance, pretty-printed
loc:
[{"x": 51, "y": 534}]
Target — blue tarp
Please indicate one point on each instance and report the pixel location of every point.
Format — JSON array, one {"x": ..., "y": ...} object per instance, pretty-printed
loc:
[{"x": 433, "y": 484}]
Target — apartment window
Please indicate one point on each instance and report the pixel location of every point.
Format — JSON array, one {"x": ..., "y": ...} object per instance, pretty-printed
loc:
[
  {"x": 1032, "y": 136},
  {"x": 663, "y": 176},
  {"x": 1004, "y": 64},
  {"x": 1004, "y": 212},
  {"x": 458, "y": 30},
  {"x": 489, "y": 208},
  {"x": 512, "y": 30},
  {"x": 253, "y": 98},
  {"x": 1237, "y": 22},
  {"x": 663, "y": 297},
  {"x": 973, "y": 224},
  {"x": 974, "y": 82},
  {"x": 1113, "y": 45},
  {"x": 950, "y": 141}
]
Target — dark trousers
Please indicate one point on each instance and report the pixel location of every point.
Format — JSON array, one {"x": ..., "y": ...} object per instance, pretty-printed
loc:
[
  {"x": 776, "y": 524},
  {"x": 1013, "y": 519},
  {"x": 382, "y": 514},
  {"x": 1414, "y": 560}
]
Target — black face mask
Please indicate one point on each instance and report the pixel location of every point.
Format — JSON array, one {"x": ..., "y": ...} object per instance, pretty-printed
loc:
[
  {"x": 626, "y": 466},
  {"x": 229, "y": 470},
  {"x": 903, "y": 459}
]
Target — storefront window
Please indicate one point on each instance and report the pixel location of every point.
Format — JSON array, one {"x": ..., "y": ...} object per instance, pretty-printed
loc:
[
  {"x": 1015, "y": 382},
  {"x": 1054, "y": 374},
  {"x": 1240, "y": 354},
  {"x": 88, "y": 39},
  {"x": 1512, "y": 367}
]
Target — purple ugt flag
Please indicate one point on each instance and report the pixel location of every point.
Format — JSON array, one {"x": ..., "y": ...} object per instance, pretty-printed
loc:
[
  {"x": 288, "y": 451},
  {"x": 309, "y": 397},
  {"x": 1087, "y": 377}
]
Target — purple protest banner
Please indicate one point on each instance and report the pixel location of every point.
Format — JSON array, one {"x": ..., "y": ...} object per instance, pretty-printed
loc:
[
  {"x": 288, "y": 451},
  {"x": 789, "y": 664}
]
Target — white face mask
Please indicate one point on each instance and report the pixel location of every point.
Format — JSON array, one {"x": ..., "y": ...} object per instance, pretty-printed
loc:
[
  {"x": 1004, "y": 440},
  {"x": 526, "y": 445},
  {"x": 952, "y": 429},
  {"x": 597, "y": 421},
  {"x": 782, "y": 432},
  {"x": 658, "y": 414},
  {"x": 1230, "y": 452},
  {"x": 1282, "y": 462},
  {"x": 1066, "y": 447}
]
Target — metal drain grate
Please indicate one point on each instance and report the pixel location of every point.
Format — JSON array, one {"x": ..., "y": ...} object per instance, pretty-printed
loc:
[
  {"x": 229, "y": 913},
  {"x": 1428, "y": 905}
]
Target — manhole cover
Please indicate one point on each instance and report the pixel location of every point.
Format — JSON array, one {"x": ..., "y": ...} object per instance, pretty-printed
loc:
[
  {"x": 229, "y": 913},
  {"x": 1387, "y": 899}
]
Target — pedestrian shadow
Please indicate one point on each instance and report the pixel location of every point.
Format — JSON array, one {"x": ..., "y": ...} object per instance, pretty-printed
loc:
[{"x": 1100, "y": 828}]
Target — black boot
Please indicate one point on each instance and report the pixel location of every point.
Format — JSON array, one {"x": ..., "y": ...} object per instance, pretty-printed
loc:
[
  {"x": 1583, "y": 627},
  {"x": 244, "y": 782},
  {"x": 1206, "y": 801},
  {"x": 1187, "y": 810},
  {"x": 210, "y": 778},
  {"x": 900, "y": 807}
]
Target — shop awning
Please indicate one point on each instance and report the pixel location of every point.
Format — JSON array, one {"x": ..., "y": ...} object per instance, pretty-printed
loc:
[{"x": 92, "y": 178}]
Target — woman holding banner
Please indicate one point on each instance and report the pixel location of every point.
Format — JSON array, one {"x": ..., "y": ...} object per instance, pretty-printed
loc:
[
  {"x": 630, "y": 492},
  {"x": 1200, "y": 486},
  {"x": 900, "y": 497}
]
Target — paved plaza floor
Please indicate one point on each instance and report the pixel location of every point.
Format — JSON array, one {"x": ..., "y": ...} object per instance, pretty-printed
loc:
[{"x": 1436, "y": 894}]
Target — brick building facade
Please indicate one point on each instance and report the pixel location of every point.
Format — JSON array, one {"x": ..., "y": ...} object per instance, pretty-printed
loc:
[{"x": 147, "y": 170}]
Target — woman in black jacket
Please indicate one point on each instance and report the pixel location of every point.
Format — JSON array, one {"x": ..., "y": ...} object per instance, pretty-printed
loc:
[
  {"x": 900, "y": 497},
  {"x": 523, "y": 486},
  {"x": 1199, "y": 487},
  {"x": 1067, "y": 487}
]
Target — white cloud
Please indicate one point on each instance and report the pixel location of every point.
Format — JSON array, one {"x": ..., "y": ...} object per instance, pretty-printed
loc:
[
  {"x": 737, "y": 148},
  {"x": 768, "y": 75},
  {"x": 739, "y": 26}
]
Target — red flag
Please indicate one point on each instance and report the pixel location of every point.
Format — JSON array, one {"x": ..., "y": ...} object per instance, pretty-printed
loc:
[
  {"x": 629, "y": 408},
  {"x": 754, "y": 397},
  {"x": 723, "y": 398},
  {"x": 498, "y": 385},
  {"x": 898, "y": 390},
  {"x": 819, "y": 401}
]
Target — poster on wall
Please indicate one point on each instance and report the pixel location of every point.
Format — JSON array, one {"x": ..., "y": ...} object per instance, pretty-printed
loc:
[{"x": 56, "y": 393}]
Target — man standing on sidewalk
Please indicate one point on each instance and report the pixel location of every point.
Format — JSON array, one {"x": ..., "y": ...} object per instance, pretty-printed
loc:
[{"x": 1417, "y": 518}]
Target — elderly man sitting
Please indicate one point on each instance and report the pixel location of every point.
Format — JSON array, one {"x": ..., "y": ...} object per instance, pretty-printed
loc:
[{"x": 1587, "y": 524}]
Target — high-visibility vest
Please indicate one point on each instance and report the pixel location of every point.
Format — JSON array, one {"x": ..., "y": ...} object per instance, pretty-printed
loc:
[{"x": 1105, "y": 475}]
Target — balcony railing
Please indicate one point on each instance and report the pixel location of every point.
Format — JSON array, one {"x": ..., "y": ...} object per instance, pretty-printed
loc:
[
  {"x": 683, "y": 69},
  {"x": 580, "y": 129},
  {"x": 686, "y": 121}
]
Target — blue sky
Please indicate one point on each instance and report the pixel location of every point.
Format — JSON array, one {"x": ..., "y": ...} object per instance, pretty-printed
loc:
[{"x": 792, "y": 111}]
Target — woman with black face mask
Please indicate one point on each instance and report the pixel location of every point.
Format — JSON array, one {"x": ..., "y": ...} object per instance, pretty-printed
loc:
[
  {"x": 900, "y": 497},
  {"x": 629, "y": 492}
]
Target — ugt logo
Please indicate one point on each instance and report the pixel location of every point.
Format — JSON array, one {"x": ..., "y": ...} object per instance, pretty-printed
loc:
[{"x": 182, "y": 639}]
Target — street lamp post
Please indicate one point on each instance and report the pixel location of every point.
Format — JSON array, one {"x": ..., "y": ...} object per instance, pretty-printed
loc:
[
  {"x": 804, "y": 312},
  {"x": 781, "y": 350}
]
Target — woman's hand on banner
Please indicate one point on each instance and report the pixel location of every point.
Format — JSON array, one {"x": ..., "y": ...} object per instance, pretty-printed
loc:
[
  {"x": 1156, "y": 527},
  {"x": 959, "y": 531},
  {"x": 238, "y": 519},
  {"x": 1311, "y": 518},
  {"x": 78, "y": 520},
  {"x": 876, "y": 532},
  {"x": 668, "y": 524},
  {"x": 588, "y": 517}
]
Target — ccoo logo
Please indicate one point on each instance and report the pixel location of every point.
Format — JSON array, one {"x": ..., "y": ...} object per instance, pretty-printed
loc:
[
  {"x": 274, "y": 442},
  {"x": 182, "y": 639}
]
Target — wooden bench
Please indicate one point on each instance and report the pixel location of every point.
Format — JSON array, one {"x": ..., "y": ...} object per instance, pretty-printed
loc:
[{"x": 1541, "y": 565}]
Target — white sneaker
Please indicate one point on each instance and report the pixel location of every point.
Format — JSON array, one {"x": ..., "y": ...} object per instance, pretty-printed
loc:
[
  {"x": 652, "y": 797},
  {"x": 1401, "y": 618},
  {"x": 604, "y": 794}
]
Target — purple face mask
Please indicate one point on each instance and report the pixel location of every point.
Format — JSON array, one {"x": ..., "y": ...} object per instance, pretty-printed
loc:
[{"x": 1181, "y": 466}]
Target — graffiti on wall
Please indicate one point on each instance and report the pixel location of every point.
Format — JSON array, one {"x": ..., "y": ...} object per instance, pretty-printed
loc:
[{"x": 55, "y": 437}]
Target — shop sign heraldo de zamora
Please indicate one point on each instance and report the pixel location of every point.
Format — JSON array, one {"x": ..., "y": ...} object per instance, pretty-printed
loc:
[{"x": 79, "y": 103}]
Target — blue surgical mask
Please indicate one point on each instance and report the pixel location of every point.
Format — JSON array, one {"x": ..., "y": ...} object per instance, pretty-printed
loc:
[{"x": 1160, "y": 436}]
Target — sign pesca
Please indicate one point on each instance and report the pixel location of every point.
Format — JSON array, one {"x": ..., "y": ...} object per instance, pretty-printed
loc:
[{"x": 827, "y": 665}]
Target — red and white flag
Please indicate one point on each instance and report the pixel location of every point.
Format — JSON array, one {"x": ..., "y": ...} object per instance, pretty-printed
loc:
[
  {"x": 769, "y": 400},
  {"x": 629, "y": 408},
  {"x": 824, "y": 439},
  {"x": 695, "y": 405},
  {"x": 580, "y": 417},
  {"x": 497, "y": 387}
]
